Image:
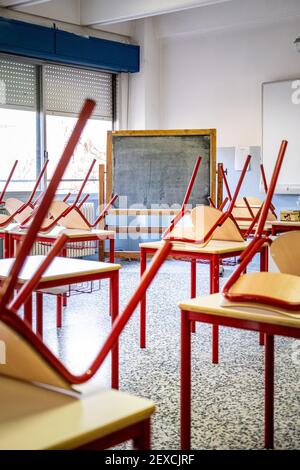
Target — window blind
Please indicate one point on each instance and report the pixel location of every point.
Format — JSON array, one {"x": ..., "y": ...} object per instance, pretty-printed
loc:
[
  {"x": 66, "y": 88},
  {"x": 18, "y": 82}
]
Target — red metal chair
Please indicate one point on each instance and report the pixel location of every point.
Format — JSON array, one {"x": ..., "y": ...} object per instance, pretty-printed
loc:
[
  {"x": 248, "y": 207},
  {"x": 48, "y": 368},
  {"x": 204, "y": 223},
  {"x": 70, "y": 215},
  {"x": 272, "y": 290},
  {"x": 50, "y": 222},
  {"x": 19, "y": 210}
]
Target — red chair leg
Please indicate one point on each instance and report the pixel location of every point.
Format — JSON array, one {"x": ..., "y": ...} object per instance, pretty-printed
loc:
[
  {"x": 269, "y": 391},
  {"x": 143, "y": 265},
  {"x": 193, "y": 288},
  {"x": 185, "y": 382},
  {"x": 59, "y": 305},
  {"x": 39, "y": 313},
  {"x": 214, "y": 288}
]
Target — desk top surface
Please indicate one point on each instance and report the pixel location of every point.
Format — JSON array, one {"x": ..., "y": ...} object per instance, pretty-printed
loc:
[
  {"x": 214, "y": 305},
  {"x": 245, "y": 224},
  {"x": 71, "y": 233},
  {"x": 285, "y": 223},
  {"x": 60, "y": 268},
  {"x": 213, "y": 247},
  {"x": 37, "y": 418}
]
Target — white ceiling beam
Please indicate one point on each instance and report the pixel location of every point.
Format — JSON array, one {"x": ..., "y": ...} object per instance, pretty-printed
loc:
[
  {"x": 104, "y": 12},
  {"x": 17, "y": 3}
]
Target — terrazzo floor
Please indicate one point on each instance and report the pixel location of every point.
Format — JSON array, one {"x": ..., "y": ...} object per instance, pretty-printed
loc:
[{"x": 227, "y": 398}]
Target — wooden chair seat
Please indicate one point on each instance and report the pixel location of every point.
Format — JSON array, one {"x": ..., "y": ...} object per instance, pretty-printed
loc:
[{"x": 267, "y": 288}]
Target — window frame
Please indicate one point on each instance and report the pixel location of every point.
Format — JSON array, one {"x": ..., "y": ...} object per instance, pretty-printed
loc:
[{"x": 41, "y": 130}]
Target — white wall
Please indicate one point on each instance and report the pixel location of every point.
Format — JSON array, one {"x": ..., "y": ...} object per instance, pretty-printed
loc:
[
  {"x": 144, "y": 94},
  {"x": 212, "y": 62},
  {"x": 215, "y": 80}
]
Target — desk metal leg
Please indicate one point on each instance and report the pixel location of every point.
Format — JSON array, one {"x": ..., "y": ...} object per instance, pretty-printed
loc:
[
  {"x": 6, "y": 251},
  {"x": 39, "y": 313},
  {"x": 269, "y": 391},
  {"x": 185, "y": 382},
  {"x": 114, "y": 314},
  {"x": 143, "y": 441},
  {"x": 28, "y": 311},
  {"x": 11, "y": 246},
  {"x": 264, "y": 266},
  {"x": 143, "y": 265},
  {"x": 111, "y": 260},
  {"x": 193, "y": 287},
  {"x": 14, "y": 247},
  {"x": 214, "y": 288},
  {"x": 59, "y": 308},
  {"x": 111, "y": 250},
  {"x": 65, "y": 299}
]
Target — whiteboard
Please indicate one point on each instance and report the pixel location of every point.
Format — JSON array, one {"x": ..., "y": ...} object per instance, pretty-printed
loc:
[{"x": 281, "y": 121}]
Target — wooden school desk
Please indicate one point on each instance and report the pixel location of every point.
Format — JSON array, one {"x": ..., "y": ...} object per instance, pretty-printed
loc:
[
  {"x": 34, "y": 418},
  {"x": 61, "y": 273},
  {"x": 282, "y": 226},
  {"x": 14, "y": 236},
  {"x": 209, "y": 310},
  {"x": 214, "y": 252}
]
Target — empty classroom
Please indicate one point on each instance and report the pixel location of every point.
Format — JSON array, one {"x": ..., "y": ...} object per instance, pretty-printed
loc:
[{"x": 150, "y": 227}]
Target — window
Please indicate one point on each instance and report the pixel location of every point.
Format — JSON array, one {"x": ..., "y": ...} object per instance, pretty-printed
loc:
[
  {"x": 65, "y": 89},
  {"x": 44, "y": 100},
  {"x": 18, "y": 118}
]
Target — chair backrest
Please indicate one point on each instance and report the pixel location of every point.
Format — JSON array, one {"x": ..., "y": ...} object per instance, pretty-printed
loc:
[
  {"x": 285, "y": 251},
  {"x": 13, "y": 205},
  {"x": 3, "y": 192},
  {"x": 23, "y": 362},
  {"x": 73, "y": 219},
  {"x": 196, "y": 225}
]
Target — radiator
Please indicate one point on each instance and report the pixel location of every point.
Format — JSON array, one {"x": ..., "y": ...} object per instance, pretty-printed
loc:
[{"x": 75, "y": 250}]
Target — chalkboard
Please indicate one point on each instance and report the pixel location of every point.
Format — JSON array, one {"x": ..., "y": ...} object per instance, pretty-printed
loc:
[{"x": 153, "y": 168}]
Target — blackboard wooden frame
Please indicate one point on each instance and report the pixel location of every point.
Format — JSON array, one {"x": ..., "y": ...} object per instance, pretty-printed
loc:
[{"x": 140, "y": 133}]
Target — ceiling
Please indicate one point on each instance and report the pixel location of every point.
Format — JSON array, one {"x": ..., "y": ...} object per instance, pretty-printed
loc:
[
  {"x": 173, "y": 17},
  {"x": 107, "y": 12}
]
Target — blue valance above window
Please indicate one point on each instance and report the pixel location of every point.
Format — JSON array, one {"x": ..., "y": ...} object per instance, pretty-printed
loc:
[{"x": 39, "y": 42}]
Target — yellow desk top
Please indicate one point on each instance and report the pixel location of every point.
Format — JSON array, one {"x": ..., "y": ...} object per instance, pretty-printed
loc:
[
  {"x": 213, "y": 247},
  {"x": 33, "y": 418},
  {"x": 9, "y": 227},
  {"x": 71, "y": 233},
  {"x": 285, "y": 223},
  {"x": 60, "y": 268},
  {"x": 245, "y": 224},
  {"x": 212, "y": 305}
]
